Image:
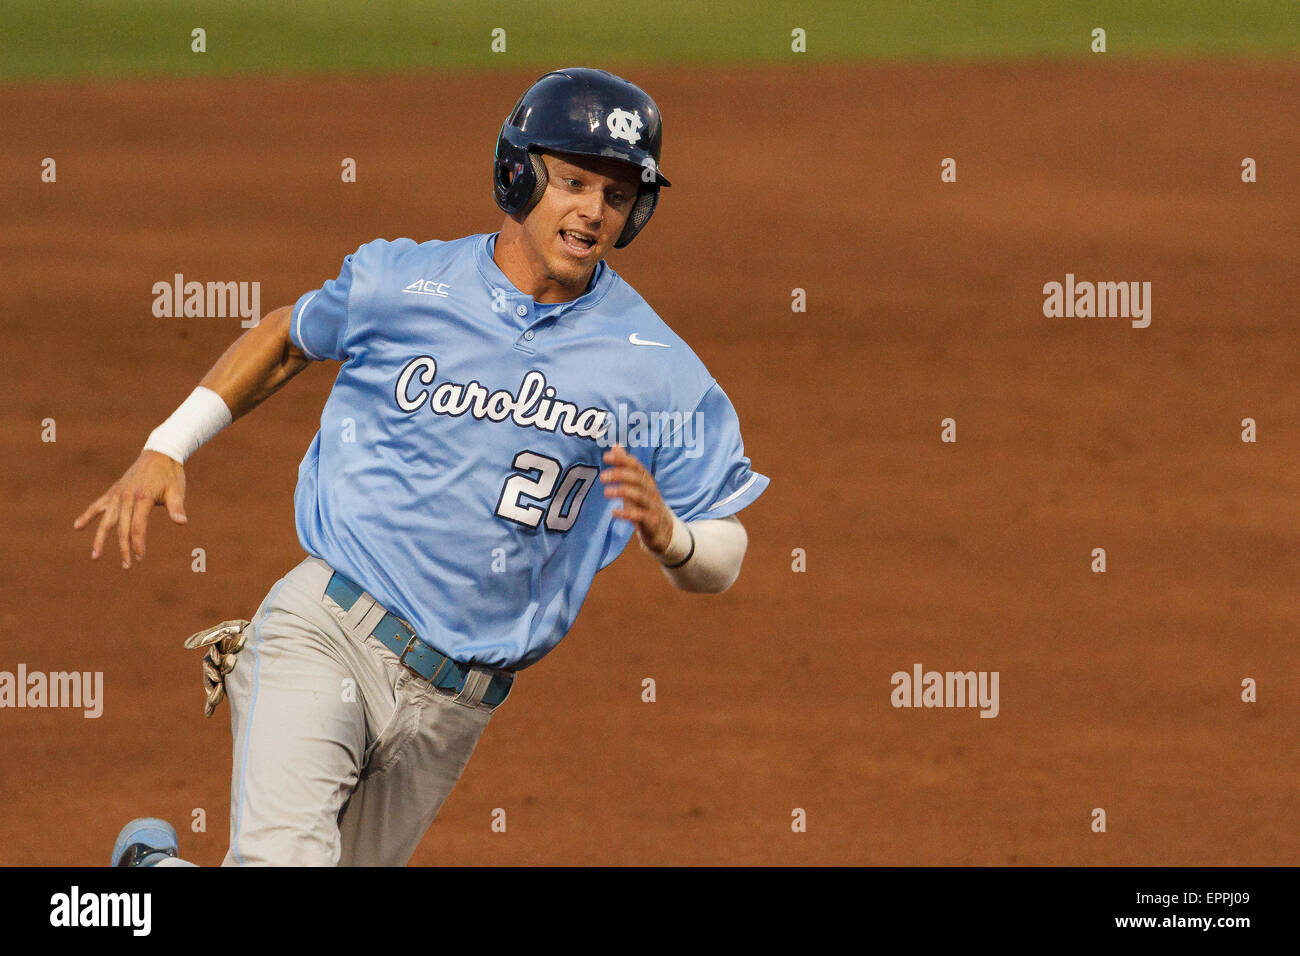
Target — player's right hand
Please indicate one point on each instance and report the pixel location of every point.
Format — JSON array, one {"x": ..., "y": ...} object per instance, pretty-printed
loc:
[{"x": 154, "y": 479}]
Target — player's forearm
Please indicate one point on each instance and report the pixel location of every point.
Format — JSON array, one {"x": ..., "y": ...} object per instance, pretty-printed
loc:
[
  {"x": 256, "y": 365},
  {"x": 707, "y": 554}
]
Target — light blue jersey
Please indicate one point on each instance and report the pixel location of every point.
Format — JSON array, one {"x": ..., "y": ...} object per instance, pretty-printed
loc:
[{"x": 455, "y": 473}]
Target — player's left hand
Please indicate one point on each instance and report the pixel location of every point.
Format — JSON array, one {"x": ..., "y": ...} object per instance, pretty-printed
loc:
[{"x": 626, "y": 478}]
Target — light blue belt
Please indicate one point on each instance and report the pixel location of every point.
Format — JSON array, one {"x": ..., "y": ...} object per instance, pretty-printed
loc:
[{"x": 415, "y": 655}]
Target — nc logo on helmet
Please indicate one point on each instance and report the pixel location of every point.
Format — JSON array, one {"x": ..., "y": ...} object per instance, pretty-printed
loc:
[{"x": 624, "y": 125}]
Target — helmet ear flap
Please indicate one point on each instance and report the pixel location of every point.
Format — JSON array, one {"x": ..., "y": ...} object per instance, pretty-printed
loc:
[
  {"x": 539, "y": 181},
  {"x": 646, "y": 201},
  {"x": 518, "y": 175}
]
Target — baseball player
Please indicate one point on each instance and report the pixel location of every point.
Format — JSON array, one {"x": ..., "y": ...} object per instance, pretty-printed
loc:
[{"x": 488, "y": 385}]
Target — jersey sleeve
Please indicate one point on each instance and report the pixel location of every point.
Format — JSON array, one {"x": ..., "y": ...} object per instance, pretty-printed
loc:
[
  {"x": 704, "y": 472},
  {"x": 319, "y": 322}
]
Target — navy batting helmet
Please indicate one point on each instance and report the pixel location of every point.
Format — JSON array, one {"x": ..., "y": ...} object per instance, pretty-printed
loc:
[{"x": 588, "y": 112}]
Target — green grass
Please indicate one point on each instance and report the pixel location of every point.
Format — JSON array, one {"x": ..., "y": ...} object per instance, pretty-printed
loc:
[{"x": 69, "y": 38}]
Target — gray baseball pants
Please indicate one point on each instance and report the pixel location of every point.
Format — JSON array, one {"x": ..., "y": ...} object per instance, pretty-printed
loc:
[{"x": 342, "y": 756}]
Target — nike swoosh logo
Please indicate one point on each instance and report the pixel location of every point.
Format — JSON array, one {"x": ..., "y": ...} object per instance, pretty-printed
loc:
[{"x": 637, "y": 340}]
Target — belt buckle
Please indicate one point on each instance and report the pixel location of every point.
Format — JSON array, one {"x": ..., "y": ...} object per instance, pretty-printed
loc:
[
  {"x": 431, "y": 679},
  {"x": 406, "y": 650}
]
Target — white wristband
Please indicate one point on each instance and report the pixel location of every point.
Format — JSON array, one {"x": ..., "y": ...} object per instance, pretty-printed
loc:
[
  {"x": 200, "y": 417},
  {"x": 681, "y": 546},
  {"x": 709, "y": 563}
]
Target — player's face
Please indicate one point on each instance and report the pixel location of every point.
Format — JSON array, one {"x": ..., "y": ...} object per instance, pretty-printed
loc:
[{"x": 580, "y": 215}]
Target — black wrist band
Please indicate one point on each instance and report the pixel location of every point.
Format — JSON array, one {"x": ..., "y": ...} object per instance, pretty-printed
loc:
[{"x": 689, "y": 554}]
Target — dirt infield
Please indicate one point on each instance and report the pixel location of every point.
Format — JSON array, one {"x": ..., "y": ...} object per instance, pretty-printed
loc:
[{"x": 1119, "y": 690}]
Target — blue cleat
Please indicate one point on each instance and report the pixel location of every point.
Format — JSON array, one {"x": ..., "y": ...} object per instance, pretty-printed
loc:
[{"x": 145, "y": 841}]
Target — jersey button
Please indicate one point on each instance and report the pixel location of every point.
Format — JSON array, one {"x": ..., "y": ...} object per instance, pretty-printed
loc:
[
  {"x": 521, "y": 310},
  {"x": 528, "y": 336}
]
